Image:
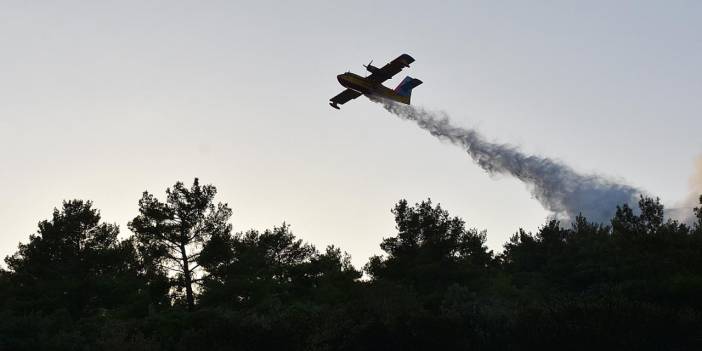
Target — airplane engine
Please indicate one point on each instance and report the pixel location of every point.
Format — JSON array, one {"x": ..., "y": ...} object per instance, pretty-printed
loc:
[{"x": 371, "y": 68}]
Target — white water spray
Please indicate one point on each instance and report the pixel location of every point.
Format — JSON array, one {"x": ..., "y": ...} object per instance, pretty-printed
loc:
[{"x": 559, "y": 188}]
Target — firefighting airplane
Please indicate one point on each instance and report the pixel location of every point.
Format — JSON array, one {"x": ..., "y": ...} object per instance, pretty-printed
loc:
[{"x": 372, "y": 84}]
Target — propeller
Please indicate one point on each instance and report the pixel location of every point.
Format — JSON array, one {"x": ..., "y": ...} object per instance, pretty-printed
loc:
[{"x": 371, "y": 68}]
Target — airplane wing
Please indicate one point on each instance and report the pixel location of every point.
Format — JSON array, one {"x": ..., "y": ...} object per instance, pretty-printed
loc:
[
  {"x": 344, "y": 97},
  {"x": 394, "y": 67}
]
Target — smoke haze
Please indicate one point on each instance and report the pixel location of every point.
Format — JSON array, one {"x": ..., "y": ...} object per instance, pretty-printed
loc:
[
  {"x": 696, "y": 183},
  {"x": 683, "y": 211},
  {"x": 559, "y": 188}
]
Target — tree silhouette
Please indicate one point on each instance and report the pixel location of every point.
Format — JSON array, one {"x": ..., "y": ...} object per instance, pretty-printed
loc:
[
  {"x": 698, "y": 215},
  {"x": 74, "y": 262},
  {"x": 252, "y": 266},
  {"x": 634, "y": 284},
  {"x": 429, "y": 245},
  {"x": 170, "y": 234}
]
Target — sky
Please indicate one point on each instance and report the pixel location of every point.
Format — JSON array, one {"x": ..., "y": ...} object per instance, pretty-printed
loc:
[{"x": 102, "y": 100}]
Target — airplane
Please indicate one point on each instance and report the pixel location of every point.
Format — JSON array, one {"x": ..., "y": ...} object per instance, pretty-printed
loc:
[{"x": 372, "y": 85}]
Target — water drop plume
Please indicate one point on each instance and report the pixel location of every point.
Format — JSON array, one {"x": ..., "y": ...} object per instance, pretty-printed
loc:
[{"x": 559, "y": 188}]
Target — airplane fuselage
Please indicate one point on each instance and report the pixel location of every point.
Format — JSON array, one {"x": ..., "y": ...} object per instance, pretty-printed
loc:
[{"x": 365, "y": 86}]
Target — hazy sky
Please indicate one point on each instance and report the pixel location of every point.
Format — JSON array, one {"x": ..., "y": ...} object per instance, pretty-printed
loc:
[{"x": 102, "y": 100}]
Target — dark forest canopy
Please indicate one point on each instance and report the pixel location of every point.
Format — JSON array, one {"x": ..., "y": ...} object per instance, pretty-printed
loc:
[{"x": 185, "y": 281}]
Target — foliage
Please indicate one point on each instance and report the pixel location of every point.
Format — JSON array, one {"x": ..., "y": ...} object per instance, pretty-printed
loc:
[
  {"x": 634, "y": 283},
  {"x": 169, "y": 234}
]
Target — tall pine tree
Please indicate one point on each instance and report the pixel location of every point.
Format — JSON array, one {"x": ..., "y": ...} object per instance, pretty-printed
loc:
[{"x": 170, "y": 234}]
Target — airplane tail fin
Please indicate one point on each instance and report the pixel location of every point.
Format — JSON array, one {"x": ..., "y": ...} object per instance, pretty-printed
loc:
[{"x": 405, "y": 88}]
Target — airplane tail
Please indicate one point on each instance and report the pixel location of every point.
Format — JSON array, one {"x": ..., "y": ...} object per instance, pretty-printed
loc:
[{"x": 404, "y": 90}]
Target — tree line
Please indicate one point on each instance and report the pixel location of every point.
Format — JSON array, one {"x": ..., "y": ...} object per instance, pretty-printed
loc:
[{"x": 185, "y": 281}]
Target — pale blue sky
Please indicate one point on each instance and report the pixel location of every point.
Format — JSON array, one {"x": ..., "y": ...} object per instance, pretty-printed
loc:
[{"x": 101, "y": 100}]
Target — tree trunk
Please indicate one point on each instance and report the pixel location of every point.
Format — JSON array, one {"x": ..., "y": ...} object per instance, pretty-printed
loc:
[{"x": 188, "y": 279}]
